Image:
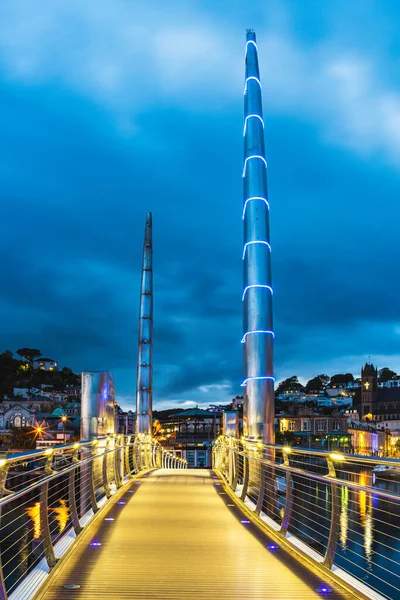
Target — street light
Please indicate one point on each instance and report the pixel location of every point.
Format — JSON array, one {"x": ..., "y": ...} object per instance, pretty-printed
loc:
[{"x": 64, "y": 419}]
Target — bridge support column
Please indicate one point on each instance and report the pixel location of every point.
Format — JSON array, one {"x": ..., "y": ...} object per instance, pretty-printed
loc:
[
  {"x": 259, "y": 411},
  {"x": 144, "y": 381}
]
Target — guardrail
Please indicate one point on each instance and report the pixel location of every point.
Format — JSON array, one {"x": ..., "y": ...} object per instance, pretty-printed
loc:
[
  {"x": 48, "y": 496},
  {"x": 341, "y": 512}
]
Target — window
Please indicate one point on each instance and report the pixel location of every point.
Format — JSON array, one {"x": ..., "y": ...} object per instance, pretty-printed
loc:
[
  {"x": 306, "y": 424},
  {"x": 292, "y": 425},
  {"x": 336, "y": 425},
  {"x": 320, "y": 425}
]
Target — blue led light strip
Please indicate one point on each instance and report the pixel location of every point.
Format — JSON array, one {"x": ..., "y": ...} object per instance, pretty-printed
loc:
[
  {"x": 263, "y": 377},
  {"x": 251, "y": 117},
  {"x": 256, "y": 285},
  {"x": 251, "y": 157},
  {"x": 251, "y": 42},
  {"x": 243, "y": 340},
  {"x": 254, "y": 198},
  {"x": 255, "y": 242},
  {"x": 248, "y": 79}
]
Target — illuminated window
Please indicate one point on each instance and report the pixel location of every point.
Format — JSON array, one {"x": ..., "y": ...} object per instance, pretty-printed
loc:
[
  {"x": 320, "y": 425},
  {"x": 292, "y": 425}
]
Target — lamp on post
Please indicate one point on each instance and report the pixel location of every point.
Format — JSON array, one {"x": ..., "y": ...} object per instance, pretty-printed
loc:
[{"x": 64, "y": 419}]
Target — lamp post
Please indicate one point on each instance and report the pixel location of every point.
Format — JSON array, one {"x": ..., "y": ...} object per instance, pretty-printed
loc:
[{"x": 64, "y": 420}]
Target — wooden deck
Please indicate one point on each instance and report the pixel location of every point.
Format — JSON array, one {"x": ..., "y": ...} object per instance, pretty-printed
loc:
[{"x": 178, "y": 537}]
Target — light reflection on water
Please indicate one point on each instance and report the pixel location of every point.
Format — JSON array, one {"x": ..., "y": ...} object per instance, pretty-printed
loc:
[
  {"x": 34, "y": 513},
  {"x": 344, "y": 516},
  {"x": 365, "y": 505},
  {"x": 61, "y": 514}
]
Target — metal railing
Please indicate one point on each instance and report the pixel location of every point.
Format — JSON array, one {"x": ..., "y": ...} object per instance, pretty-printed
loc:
[
  {"x": 48, "y": 496},
  {"x": 339, "y": 511}
]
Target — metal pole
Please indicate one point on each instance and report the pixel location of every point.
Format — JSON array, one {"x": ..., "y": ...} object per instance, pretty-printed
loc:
[
  {"x": 145, "y": 346},
  {"x": 259, "y": 409}
]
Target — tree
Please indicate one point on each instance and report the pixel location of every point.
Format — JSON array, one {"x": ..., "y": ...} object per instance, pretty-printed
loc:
[
  {"x": 23, "y": 437},
  {"x": 385, "y": 374},
  {"x": 29, "y": 354},
  {"x": 317, "y": 383},
  {"x": 291, "y": 383},
  {"x": 8, "y": 371},
  {"x": 341, "y": 379}
]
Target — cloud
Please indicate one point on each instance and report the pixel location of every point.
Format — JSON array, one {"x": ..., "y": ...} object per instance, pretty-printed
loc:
[{"x": 111, "y": 109}]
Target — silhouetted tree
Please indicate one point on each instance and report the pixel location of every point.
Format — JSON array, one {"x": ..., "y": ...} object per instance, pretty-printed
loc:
[
  {"x": 385, "y": 374},
  {"x": 317, "y": 383},
  {"x": 291, "y": 383},
  {"x": 341, "y": 379},
  {"x": 29, "y": 354}
]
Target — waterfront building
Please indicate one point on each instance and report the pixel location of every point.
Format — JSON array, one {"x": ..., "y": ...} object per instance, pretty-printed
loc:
[{"x": 189, "y": 434}]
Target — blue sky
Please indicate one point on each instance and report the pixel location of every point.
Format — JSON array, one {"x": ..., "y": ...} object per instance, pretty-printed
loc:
[{"x": 112, "y": 108}]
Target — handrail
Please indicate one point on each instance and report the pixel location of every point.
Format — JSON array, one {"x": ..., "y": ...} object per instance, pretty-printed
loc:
[
  {"x": 284, "y": 486},
  {"x": 70, "y": 481}
]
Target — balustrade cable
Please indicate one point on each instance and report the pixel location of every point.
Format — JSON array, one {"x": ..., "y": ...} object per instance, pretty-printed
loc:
[
  {"x": 48, "y": 496},
  {"x": 341, "y": 511}
]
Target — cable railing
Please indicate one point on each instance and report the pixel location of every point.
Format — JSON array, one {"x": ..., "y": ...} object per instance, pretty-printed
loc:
[
  {"x": 340, "y": 512},
  {"x": 48, "y": 496}
]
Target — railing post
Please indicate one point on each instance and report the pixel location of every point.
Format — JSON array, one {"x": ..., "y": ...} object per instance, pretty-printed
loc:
[
  {"x": 335, "y": 512},
  {"x": 135, "y": 453},
  {"x": 262, "y": 487},
  {"x": 126, "y": 455},
  {"x": 106, "y": 483},
  {"x": 246, "y": 474},
  {"x": 117, "y": 462},
  {"x": 91, "y": 472},
  {"x": 3, "y": 492},
  {"x": 287, "y": 513},
  {"x": 71, "y": 492},
  {"x": 235, "y": 465},
  {"x": 44, "y": 513}
]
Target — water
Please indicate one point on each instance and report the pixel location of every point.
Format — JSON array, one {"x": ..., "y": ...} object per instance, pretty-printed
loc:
[{"x": 368, "y": 529}]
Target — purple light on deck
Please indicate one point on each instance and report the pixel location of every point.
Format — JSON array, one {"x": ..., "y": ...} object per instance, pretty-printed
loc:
[
  {"x": 95, "y": 544},
  {"x": 273, "y": 547},
  {"x": 109, "y": 519},
  {"x": 324, "y": 589},
  {"x": 245, "y": 522},
  {"x": 120, "y": 502},
  {"x": 217, "y": 484}
]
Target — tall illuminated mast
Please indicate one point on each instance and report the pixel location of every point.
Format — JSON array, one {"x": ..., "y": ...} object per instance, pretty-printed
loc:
[
  {"x": 144, "y": 382},
  {"x": 258, "y": 333}
]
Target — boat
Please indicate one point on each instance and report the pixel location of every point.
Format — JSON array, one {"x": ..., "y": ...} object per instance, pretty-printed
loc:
[{"x": 386, "y": 471}]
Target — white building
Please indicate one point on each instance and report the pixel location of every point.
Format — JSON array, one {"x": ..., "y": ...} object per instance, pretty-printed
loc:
[
  {"x": 45, "y": 364},
  {"x": 392, "y": 383}
]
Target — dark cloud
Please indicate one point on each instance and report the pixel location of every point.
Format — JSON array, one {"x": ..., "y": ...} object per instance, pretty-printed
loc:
[{"x": 77, "y": 175}]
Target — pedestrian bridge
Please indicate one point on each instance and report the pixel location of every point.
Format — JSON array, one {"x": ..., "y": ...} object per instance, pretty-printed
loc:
[{"x": 121, "y": 517}]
